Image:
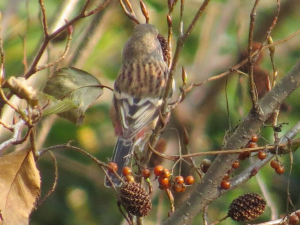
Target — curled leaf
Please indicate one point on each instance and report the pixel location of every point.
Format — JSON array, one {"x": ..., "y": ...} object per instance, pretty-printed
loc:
[
  {"x": 71, "y": 85},
  {"x": 20, "y": 88}
]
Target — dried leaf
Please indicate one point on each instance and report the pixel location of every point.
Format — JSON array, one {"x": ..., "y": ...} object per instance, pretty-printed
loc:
[
  {"x": 20, "y": 88},
  {"x": 76, "y": 85},
  {"x": 19, "y": 185}
]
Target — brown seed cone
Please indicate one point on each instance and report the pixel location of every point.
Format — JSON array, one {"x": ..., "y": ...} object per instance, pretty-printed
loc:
[
  {"x": 247, "y": 207},
  {"x": 135, "y": 199}
]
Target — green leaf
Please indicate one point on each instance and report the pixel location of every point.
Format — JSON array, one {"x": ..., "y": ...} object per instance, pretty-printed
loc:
[
  {"x": 74, "y": 91},
  {"x": 55, "y": 106}
]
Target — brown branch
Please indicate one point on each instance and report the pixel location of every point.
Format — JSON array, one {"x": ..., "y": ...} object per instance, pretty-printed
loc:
[
  {"x": 52, "y": 189},
  {"x": 237, "y": 66},
  {"x": 251, "y": 60},
  {"x": 281, "y": 148},
  {"x": 45, "y": 24},
  {"x": 48, "y": 37},
  {"x": 39, "y": 68},
  {"x": 180, "y": 42},
  {"x": 127, "y": 8}
]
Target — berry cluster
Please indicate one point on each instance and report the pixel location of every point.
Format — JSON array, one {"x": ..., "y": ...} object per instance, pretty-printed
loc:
[
  {"x": 277, "y": 166},
  {"x": 165, "y": 179},
  {"x": 251, "y": 144}
]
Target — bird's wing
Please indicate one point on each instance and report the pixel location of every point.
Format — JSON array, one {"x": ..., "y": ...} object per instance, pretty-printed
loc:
[{"x": 136, "y": 113}]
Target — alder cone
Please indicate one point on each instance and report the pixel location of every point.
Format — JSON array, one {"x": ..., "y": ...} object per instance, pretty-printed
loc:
[
  {"x": 164, "y": 47},
  {"x": 135, "y": 199},
  {"x": 247, "y": 207}
]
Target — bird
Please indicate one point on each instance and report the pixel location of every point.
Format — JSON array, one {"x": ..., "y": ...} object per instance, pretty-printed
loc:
[{"x": 138, "y": 94}]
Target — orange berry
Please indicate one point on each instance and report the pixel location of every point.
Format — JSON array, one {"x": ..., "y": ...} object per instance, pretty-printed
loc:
[
  {"x": 226, "y": 176},
  {"x": 262, "y": 155},
  {"x": 293, "y": 219},
  {"x": 252, "y": 145},
  {"x": 204, "y": 165},
  {"x": 279, "y": 170},
  {"x": 112, "y": 167},
  {"x": 179, "y": 179},
  {"x": 165, "y": 173},
  {"x": 275, "y": 163},
  {"x": 158, "y": 170},
  {"x": 164, "y": 183},
  {"x": 241, "y": 156},
  {"x": 177, "y": 187},
  {"x": 126, "y": 171},
  {"x": 189, "y": 180},
  {"x": 298, "y": 213},
  {"x": 247, "y": 154},
  {"x": 235, "y": 164},
  {"x": 183, "y": 188},
  {"x": 129, "y": 178},
  {"x": 254, "y": 138},
  {"x": 146, "y": 173},
  {"x": 225, "y": 184}
]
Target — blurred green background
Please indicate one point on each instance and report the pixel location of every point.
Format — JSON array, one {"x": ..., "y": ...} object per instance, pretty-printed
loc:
[{"x": 213, "y": 47}]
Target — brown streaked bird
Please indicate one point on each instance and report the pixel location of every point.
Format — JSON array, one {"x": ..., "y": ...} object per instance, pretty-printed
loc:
[{"x": 138, "y": 94}]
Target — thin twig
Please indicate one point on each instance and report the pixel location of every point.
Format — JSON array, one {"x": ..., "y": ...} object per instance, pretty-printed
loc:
[
  {"x": 7, "y": 126},
  {"x": 181, "y": 18},
  {"x": 237, "y": 66},
  {"x": 52, "y": 189},
  {"x": 45, "y": 24},
  {"x": 127, "y": 8},
  {"x": 48, "y": 37},
  {"x": 251, "y": 60},
  {"x": 270, "y": 148},
  {"x": 144, "y": 11},
  {"x": 16, "y": 129},
  {"x": 39, "y": 68},
  {"x": 267, "y": 195},
  {"x": 289, "y": 199}
]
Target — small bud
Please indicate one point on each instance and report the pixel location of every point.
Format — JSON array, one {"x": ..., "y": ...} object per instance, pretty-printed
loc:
[
  {"x": 169, "y": 21},
  {"x": 1, "y": 74},
  {"x": 270, "y": 41},
  {"x": 70, "y": 29},
  {"x": 184, "y": 76},
  {"x": 144, "y": 11}
]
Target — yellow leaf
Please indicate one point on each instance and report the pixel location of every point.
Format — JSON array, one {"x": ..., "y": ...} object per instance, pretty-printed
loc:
[{"x": 19, "y": 187}]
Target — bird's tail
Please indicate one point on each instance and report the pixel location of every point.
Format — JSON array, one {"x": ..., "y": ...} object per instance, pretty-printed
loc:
[{"x": 121, "y": 156}]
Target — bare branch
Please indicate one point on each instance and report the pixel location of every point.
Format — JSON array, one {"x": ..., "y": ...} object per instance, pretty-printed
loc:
[
  {"x": 16, "y": 129},
  {"x": 52, "y": 189},
  {"x": 127, "y": 8},
  {"x": 62, "y": 56},
  {"x": 44, "y": 20},
  {"x": 252, "y": 60},
  {"x": 33, "y": 68}
]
